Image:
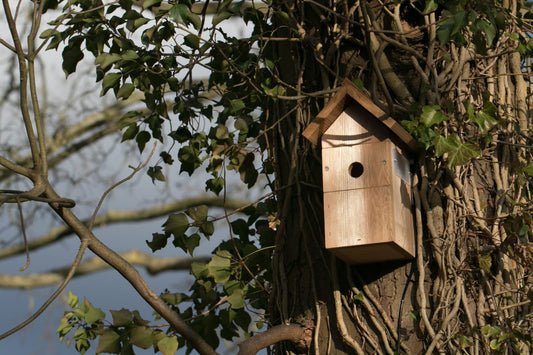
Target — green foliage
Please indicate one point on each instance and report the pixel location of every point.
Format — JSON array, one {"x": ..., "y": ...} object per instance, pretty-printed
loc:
[{"x": 126, "y": 331}]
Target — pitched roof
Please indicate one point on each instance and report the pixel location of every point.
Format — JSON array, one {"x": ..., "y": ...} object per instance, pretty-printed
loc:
[{"x": 344, "y": 96}]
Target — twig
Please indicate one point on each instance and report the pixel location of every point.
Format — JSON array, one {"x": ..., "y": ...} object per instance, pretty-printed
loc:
[
  {"x": 59, "y": 290},
  {"x": 23, "y": 229},
  {"x": 129, "y": 177}
]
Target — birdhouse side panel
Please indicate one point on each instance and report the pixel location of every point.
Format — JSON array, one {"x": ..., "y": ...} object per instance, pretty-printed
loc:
[
  {"x": 356, "y": 167},
  {"x": 403, "y": 213},
  {"x": 358, "y": 217},
  {"x": 354, "y": 126}
]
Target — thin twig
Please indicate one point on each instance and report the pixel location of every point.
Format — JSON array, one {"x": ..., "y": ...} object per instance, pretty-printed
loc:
[
  {"x": 51, "y": 299},
  {"x": 129, "y": 177}
]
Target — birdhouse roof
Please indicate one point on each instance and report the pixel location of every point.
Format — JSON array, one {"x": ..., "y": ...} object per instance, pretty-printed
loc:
[{"x": 347, "y": 94}]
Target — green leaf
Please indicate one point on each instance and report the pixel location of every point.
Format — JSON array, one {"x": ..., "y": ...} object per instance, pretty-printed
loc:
[
  {"x": 199, "y": 214},
  {"x": 486, "y": 118},
  {"x": 463, "y": 154},
  {"x": 179, "y": 13},
  {"x": 129, "y": 55},
  {"x": 141, "y": 337},
  {"x": 176, "y": 224},
  {"x": 48, "y": 33},
  {"x": 192, "y": 41},
  {"x": 106, "y": 59},
  {"x": 431, "y": 6},
  {"x": 72, "y": 54},
  {"x": 72, "y": 300},
  {"x": 199, "y": 270},
  {"x": 219, "y": 266},
  {"x": 216, "y": 185},
  {"x": 131, "y": 132},
  {"x": 168, "y": 345},
  {"x": 489, "y": 29},
  {"x": 446, "y": 144},
  {"x": 222, "y": 132},
  {"x": 93, "y": 315},
  {"x": 156, "y": 173},
  {"x": 142, "y": 138},
  {"x": 236, "y": 299},
  {"x": 125, "y": 91},
  {"x": 431, "y": 115},
  {"x": 465, "y": 341},
  {"x": 529, "y": 169},
  {"x": 122, "y": 317},
  {"x": 485, "y": 262},
  {"x": 159, "y": 241},
  {"x": 414, "y": 315},
  {"x": 236, "y": 106},
  {"x": 109, "y": 342},
  {"x": 221, "y": 16},
  {"x": 241, "y": 125},
  {"x": 111, "y": 80}
]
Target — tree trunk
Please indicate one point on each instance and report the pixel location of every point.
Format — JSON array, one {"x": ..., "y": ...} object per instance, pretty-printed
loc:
[{"x": 471, "y": 272}]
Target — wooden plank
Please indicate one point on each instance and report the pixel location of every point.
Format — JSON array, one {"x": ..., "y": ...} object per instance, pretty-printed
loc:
[
  {"x": 375, "y": 160},
  {"x": 358, "y": 217}
]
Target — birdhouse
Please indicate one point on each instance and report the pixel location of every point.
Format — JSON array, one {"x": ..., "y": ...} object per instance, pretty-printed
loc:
[{"x": 366, "y": 179}]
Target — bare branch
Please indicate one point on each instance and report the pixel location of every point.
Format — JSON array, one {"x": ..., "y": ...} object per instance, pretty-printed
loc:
[
  {"x": 285, "y": 332},
  {"x": 51, "y": 299},
  {"x": 110, "y": 217},
  {"x": 154, "y": 265}
]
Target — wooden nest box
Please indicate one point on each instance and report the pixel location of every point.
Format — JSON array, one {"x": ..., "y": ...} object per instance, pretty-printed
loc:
[{"x": 366, "y": 179}]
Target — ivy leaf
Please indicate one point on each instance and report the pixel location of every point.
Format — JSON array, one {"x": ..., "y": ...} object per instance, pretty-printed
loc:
[
  {"x": 192, "y": 41},
  {"x": 125, "y": 91},
  {"x": 216, "y": 185},
  {"x": 72, "y": 300},
  {"x": 168, "y": 345},
  {"x": 529, "y": 170},
  {"x": 131, "y": 132},
  {"x": 159, "y": 241},
  {"x": 93, "y": 315},
  {"x": 199, "y": 214},
  {"x": 221, "y": 16},
  {"x": 236, "y": 299},
  {"x": 176, "y": 224},
  {"x": 199, "y": 270},
  {"x": 141, "y": 337},
  {"x": 431, "y": 5},
  {"x": 431, "y": 115},
  {"x": 109, "y": 342},
  {"x": 122, "y": 317},
  {"x": 219, "y": 266},
  {"x": 72, "y": 54},
  {"x": 142, "y": 138},
  {"x": 465, "y": 341},
  {"x": 463, "y": 154},
  {"x": 156, "y": 173},
  {"x": 179, "y": 13},
  {"x": 486, "y": 118},
  {"x": 485, "y": 262},
  {"x": 111, "y": 80},
  {"x": 106, "y": 59}
]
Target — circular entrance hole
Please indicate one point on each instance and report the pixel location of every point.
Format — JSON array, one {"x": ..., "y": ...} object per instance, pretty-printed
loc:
[{"x": 356, "y": 169}]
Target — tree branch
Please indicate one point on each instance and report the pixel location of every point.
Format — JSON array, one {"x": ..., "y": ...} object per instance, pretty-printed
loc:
[
  {"x": 154, "y": 265},
  {"x": 58, "y": 233},
  {"x": 294, "y": 333}
]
